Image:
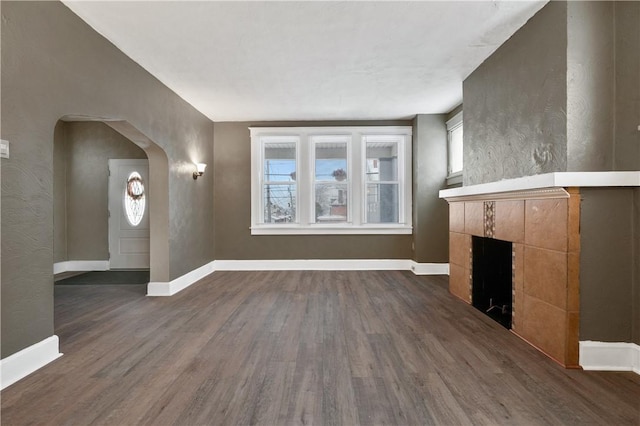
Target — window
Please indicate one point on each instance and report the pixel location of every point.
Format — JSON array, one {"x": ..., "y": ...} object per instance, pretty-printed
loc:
[
  {"x": 455, "y": 141},
  {"x": 331, "y": 180},
  {"x": 279, "y": 181},
  {"x": 134, "y": 199},
  {"x": 382, "y": 181}
]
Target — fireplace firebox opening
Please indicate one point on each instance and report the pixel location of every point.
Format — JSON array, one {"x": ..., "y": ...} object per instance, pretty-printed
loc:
[{"x": 492, "y": 278}]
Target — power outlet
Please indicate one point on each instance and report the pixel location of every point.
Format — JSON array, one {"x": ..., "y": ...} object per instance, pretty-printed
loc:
[{"x": 4, "y": 148}]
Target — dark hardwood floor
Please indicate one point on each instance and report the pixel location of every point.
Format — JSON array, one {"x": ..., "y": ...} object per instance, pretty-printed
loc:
[{"x": 302, "y": 348}]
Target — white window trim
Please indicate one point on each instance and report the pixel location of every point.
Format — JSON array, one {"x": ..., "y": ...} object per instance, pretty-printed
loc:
[
  {"x": 452, "y": 124},
  {"x": 306, "y": 138}
]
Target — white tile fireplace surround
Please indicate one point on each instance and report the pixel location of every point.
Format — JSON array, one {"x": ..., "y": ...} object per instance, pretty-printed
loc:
[{"x": 540, "y": 216}]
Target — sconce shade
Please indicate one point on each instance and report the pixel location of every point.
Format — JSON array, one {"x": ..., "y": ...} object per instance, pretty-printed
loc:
[{"x": 199, "y": 170}]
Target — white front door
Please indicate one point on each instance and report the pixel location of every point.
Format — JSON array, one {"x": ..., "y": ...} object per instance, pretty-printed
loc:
[{"x": 129, "y": 214}]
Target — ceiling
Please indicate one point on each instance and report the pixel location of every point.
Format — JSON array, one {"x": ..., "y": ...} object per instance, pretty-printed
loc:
[{"x": 237, "y": 61}]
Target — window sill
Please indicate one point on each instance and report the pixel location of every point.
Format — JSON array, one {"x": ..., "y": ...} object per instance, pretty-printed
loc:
[{"x": 330, "y": 230}]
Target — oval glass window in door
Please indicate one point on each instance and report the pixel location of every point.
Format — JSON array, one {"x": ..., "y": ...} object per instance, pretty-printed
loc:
[{"x": 134, "y": 199}]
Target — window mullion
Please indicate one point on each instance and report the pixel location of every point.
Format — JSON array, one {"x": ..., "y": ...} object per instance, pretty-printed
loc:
[
  {"x": 401, "y": 177},
  {"x": 312, "y": 180},
  {"x": 351, "y": 175},
  {"x": 357, "y": 174},
  {"x": 304, "y": 185}
]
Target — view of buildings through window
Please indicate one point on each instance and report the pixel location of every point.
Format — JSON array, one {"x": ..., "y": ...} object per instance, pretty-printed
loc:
[
  {"x": 279, "y": 182},
  {"x": 382, "y": 182},
  {"x": 331, "y": 182}
]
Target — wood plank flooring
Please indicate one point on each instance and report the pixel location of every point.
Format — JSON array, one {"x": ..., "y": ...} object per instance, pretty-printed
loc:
[{"x": 302, "y": 347}]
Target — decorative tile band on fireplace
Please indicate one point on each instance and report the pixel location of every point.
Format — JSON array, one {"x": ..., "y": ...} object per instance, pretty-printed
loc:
[{"x": 489, "y": 219}]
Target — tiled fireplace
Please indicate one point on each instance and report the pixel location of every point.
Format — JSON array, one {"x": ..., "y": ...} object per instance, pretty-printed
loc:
[
  {"x": 552, "y": 224},
  {"x": 544, "y": 229}
]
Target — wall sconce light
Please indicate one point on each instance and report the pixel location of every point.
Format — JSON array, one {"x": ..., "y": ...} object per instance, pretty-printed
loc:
[{"x": 199, "y": 170}]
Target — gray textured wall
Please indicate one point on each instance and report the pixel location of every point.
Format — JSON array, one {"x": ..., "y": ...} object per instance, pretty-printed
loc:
[
  {"x": 627, "y": 87},
  {"x": 603, "y": 101},
  {"x": 232, "y": 196},
  {"x": 607, "y": 261},
  {"x": 590, "y": 88},
  {"x": 88, "y": 148},
  {"x": 59, "y": 195},
  {"x": 562, "y": 94},
  {"x": 430, "y": 213},
  {"x": 515, "y": 103},
  {"x": 53, "y": 64}
]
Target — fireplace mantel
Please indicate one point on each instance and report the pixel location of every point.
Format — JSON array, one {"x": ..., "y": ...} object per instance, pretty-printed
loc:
[{"x": 545, "y": 181}]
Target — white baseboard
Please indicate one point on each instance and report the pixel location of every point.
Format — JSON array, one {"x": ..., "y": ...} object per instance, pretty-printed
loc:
[
  {"x": 313, "y": 265},
  {"x": 429, "y": 268},
  {"x": 28, "y": 360},
  {"x": 180, "y": 283},
  {"x": 80, "y": 265},
  {"x": 610, "y": 356},
  {"x": 334, "y": 265}
]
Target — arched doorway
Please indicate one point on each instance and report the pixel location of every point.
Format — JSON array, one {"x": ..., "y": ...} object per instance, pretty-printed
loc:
[{"x": 158, "y": 206}]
